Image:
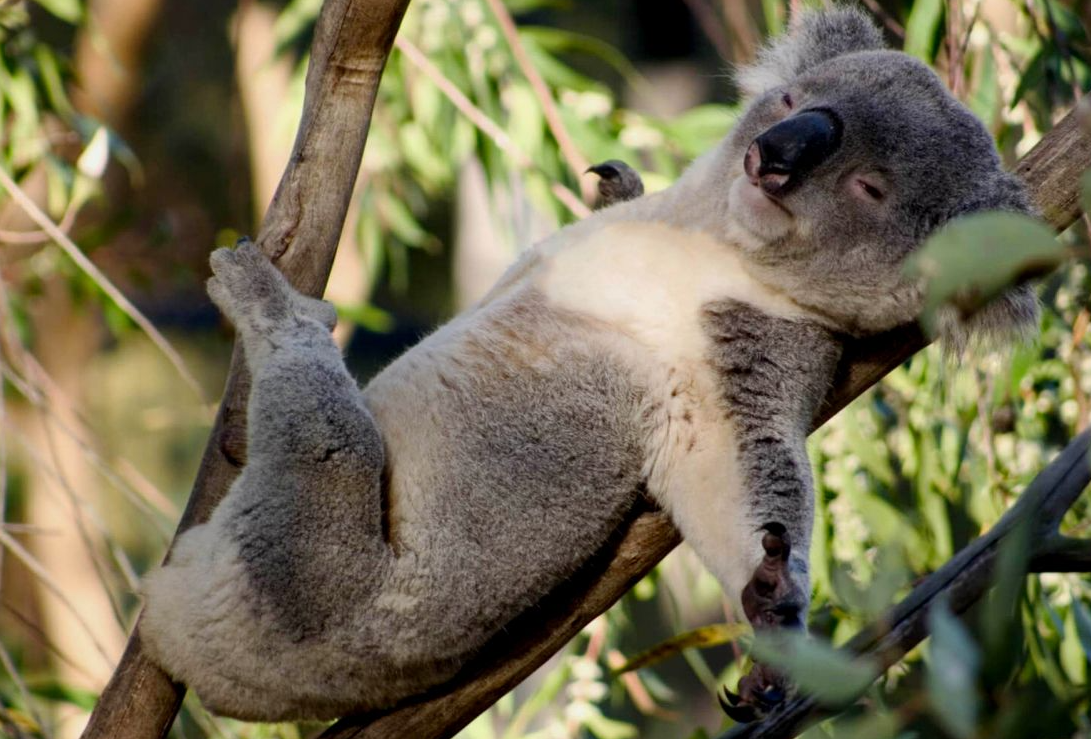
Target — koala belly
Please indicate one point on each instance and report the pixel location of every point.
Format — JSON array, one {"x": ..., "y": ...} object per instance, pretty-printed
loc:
[{"x": 515, "y": 444}]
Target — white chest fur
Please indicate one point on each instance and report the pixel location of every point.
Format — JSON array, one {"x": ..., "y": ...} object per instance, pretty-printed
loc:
[{"x": 650, "y": 281}]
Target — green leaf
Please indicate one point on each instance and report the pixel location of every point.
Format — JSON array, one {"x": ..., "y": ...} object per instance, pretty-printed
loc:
[
  {"x": 698, "y": 129},
  {"x": 66, "y": 10},
  {"x": 831, "y": 676},
  {"x": 920, "y": 28},
  {"x": 974, "y": 258},
  {"x": 881, "y": 725},
  {"x": 952, "y": 672},
  {"x": 608, "y": 728},
  {"x": 53, "y": 690},
  {"x": 370, "y": 317},
  {"x": 562, "y": 41},
  {"x": 1083, "y": 625}
]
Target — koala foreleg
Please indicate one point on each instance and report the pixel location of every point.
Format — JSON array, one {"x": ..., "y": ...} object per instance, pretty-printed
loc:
[{"x": 772, "y": 373}]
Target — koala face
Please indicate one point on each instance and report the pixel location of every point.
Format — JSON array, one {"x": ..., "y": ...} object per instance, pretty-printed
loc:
[{"x": 846, "y": 159}]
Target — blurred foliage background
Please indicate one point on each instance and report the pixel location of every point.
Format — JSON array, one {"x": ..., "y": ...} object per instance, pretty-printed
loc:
[{"x": 142, "y": 133}]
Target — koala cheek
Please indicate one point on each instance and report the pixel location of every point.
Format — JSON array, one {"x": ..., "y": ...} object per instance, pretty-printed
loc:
[{"x": 760, "y": 217}]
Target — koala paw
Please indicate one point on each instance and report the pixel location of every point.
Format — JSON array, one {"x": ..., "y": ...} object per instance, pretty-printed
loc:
[
  {"x": 759, "y": 693},
  {"x": 254, "y": 295},
  {"x": 771, "y": 600}
]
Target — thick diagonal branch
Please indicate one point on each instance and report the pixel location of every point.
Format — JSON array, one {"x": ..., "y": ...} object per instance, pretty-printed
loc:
[
  {"x": 301, "y": 230},
  {"x": 1052, "y": 171}
]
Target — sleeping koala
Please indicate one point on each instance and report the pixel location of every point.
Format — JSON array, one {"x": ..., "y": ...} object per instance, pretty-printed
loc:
[{"x": 674, "y": 346}]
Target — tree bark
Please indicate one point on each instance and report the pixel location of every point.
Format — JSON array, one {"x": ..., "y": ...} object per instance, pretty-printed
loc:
[
  {"x": 300, "y": 233},
  {"x": 1052, "y": 171}
]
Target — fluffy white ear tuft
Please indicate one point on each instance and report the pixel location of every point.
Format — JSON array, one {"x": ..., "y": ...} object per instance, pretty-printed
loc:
[{"x": 814, "y": 36}]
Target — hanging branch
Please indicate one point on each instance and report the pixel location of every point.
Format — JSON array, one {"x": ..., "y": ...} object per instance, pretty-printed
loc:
[
  {"x": 301, "y": 230},
  {"x": 1051, "y": 170}
]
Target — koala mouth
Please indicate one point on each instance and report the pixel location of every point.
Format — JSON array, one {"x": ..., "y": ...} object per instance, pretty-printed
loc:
[{"x": 769, "y": 184}]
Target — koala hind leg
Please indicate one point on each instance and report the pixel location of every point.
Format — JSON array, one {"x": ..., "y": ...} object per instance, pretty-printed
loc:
[{"x": 311, "y": 491}]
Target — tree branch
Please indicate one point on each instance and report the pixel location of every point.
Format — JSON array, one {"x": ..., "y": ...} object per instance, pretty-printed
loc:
[
  {"x": 1052, "y": 171},
  {"x": 300, "y": 233},
  {"x": 962, "y": 580}
]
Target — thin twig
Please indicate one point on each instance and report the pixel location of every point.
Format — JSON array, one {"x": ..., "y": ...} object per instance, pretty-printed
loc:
[
  {"x": 76, "y": 255},
  {"x": 576, "y": 161},
  {"x": 485, "y": 124},
  {"x": 9, "y": 667},
  {"x": 39, "y": 236},
  {"x": 46, "y": 579},
  {"x": 141, "y": 501}
]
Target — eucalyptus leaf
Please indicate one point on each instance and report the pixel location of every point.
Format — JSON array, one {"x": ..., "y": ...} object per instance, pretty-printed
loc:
[
  {"x": 832, "y": 676},
  {"x": 703, "y": 637},
  {"x": 974, "y": 258},
  {"x": 921, "y": 27},
  {"x": 67, "y": 10},
  {"x": 952, "y": 672}
]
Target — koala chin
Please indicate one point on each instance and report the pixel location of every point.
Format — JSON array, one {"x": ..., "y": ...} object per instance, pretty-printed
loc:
[{"x": 675, "y": 345}]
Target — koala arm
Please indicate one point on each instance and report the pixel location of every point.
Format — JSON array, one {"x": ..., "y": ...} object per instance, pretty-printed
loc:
[{"x": 772, "y": 373}]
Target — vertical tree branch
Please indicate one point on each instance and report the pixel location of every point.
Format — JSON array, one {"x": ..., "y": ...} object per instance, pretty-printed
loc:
[{"x": 300, "y": 233}]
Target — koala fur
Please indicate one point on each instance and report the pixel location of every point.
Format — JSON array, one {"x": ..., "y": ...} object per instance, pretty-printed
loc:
[{"x": 676, "y": 346}]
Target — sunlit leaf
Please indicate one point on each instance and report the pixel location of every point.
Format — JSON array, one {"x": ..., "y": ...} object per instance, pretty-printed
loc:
[
  {"x": 974, "y": 258},
  {"x": 703, "y": 637},
  {"x": 608, "y": 728},
  {"x": 921, "y": 27},
  {"x": 67, "y": 10}
]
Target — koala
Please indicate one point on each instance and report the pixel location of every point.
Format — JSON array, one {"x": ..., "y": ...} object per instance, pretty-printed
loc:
[{"x": 674, "y": 346}]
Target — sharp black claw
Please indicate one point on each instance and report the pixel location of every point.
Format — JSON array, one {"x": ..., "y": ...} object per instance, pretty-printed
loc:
[
  {"x": 732, "y": 698},
  {"x": 739, "y": 714}
]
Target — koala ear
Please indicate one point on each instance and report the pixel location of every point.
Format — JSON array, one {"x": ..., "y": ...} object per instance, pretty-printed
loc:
[
  {"x": 814, "y": 36},
  {"x": 1012, "y": 316}
]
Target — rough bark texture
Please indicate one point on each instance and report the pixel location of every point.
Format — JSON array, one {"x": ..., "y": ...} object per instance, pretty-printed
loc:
[
  {"x": 300, "y": 232},
  {"x": 1052, "y": 170}
]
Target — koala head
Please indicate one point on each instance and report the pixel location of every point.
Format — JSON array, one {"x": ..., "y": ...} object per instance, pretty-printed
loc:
[{"x": 847, "y": 157}]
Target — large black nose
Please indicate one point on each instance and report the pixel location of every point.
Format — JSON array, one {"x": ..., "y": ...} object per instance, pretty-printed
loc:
[{"x": 792, "y": 148}]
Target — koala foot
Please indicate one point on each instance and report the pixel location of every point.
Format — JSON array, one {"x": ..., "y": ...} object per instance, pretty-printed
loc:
[
  {"x": 759, "y": 693},
  {"x": 618, "y": 182},
  {"x": 254, "y": 295},
  {"x": 771, "y": 600}
]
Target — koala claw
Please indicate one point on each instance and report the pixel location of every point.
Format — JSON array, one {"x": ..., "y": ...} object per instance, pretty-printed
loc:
[
  {"x": 253, "y": 293},
  {"x": 759, "y": 694},
  {"x": 770, "y": 601}
]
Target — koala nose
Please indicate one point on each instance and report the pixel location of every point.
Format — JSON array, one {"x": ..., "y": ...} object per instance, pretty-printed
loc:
[{"x": 778, "y": 159}]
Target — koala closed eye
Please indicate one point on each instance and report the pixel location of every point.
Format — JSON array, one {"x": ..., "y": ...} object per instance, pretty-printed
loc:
[{"x": 870, "y": 188}]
